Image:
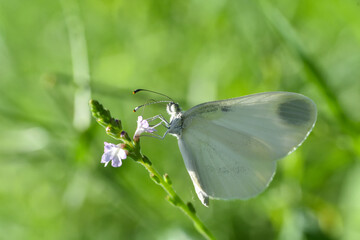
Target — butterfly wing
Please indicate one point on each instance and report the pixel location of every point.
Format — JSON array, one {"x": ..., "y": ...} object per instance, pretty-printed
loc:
[{"x": 230, "y": 147}]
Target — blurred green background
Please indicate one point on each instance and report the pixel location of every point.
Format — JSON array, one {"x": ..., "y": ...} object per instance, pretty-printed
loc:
[{"x": 56, "y": 55}]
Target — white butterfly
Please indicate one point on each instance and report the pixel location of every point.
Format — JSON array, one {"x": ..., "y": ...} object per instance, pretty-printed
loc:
[{"x": 230, "y": 147}]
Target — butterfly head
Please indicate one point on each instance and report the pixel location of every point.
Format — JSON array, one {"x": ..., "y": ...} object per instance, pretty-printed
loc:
[
  {"x": 173, "y": 108},
  {"x": 174, "y": 111}
]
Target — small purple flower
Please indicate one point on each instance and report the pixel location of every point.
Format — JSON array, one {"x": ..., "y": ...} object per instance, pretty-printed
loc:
[
  {"x": 143, "y": 126},
  {"x": 113, "y": 153}
]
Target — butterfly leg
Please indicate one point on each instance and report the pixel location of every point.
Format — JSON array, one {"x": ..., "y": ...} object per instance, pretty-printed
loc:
[
  {"x": 154, "y": 135},
  {"x": 163, "y": 122}
]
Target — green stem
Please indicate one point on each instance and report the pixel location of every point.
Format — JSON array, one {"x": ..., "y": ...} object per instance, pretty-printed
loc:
[{"x": 188, "y": 209}]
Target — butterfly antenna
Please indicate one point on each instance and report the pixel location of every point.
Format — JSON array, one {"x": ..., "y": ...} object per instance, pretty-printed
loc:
[
  {"x": 149, "y": 101},
  {"x": 146, "y": 90},
  {"x": 146, "y": 104}
]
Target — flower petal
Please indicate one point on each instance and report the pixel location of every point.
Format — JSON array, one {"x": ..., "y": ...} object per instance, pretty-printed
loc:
[
  {"x": 108, "y": 146},
  {"x": 116, "y": 162},
  {"x": 150, "y": 130},
  {"x": 121, "y": 154},
  {"x": 144, "y": 124},
  {"x": 106, "y": 157},
  {"x": 140, "y": 118}
]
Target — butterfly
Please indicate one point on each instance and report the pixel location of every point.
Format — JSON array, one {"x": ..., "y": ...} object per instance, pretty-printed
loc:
[{"x": 230, "y": 147}]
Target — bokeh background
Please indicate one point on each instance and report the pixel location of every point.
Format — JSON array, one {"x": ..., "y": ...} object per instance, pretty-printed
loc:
[{"x": 56, "y": 55}]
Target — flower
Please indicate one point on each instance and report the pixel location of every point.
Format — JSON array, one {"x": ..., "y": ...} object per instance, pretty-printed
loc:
[
  {"x": 113, "y": 153},
  {"x": 143, "y": 126}
]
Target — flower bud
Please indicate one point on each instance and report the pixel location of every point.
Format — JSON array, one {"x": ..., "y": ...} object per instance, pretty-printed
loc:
[
  {"x": 171, "y": 200},
  {"x": 174, "y": 200},
  {"x": 125, "y": 136},
  {"x": 146, "y": 160},
  {"x": 155, "y": 178},
  {"x": 167, "y": 179},
  {"x": 191, "y": 207},
  {"x": 118, "y": 123}
]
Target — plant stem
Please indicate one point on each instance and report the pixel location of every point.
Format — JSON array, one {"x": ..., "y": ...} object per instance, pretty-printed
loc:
[{"x": 173, "y": 197}]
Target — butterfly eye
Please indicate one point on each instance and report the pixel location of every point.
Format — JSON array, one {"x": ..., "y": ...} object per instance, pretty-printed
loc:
[
  {"x": 168, "y": 108},
  {"x": 172, "y": 108}
]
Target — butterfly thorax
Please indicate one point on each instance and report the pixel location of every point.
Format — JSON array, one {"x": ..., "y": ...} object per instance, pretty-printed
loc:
[{"x": 176, "y": 119}]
